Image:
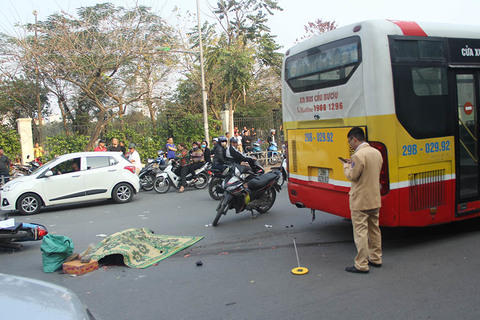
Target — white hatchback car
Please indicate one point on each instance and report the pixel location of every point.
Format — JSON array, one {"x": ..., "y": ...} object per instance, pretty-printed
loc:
[{"x": 72, "y": 178}]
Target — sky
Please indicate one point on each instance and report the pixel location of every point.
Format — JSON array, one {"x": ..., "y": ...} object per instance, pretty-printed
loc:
[{"x": 288, "y": 25}]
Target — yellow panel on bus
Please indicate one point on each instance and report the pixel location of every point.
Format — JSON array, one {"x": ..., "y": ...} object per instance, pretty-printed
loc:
[{"x": 319, "y": 150}]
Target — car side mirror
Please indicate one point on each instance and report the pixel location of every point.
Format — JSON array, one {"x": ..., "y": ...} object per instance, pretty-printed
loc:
[{"x": 49, "y": 173}]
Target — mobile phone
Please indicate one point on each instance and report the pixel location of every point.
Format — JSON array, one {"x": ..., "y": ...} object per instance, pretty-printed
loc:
[{"x": 343, "y": 160}]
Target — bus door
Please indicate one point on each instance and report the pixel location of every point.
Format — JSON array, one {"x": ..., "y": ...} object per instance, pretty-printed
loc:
[{"x": 467, "y": 142}]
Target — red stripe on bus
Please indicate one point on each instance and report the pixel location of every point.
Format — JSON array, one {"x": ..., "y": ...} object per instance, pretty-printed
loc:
[
  {"x": 395, "y": 209},
  {"x": 410, "y": 28}
]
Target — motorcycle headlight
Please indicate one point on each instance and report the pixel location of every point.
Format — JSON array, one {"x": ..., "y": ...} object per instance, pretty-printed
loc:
[{"x": 10, "y": 185}]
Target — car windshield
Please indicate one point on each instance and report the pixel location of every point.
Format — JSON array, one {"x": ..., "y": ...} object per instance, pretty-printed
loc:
[{"x": 43, "y": 166}]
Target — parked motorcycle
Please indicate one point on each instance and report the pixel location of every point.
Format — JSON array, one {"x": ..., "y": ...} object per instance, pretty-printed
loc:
[
  {"x": 272, "y": 155},
  {"x": 256, "y": 151},
  {"x": 244, "y": 190},
  {"x": 20, "y": 231},
  {"x": 148, "y": 173},
  {"x": 215, "y": 185},
  {"x": 168, "y": 178},
  {"x": 215, "y": 189},
  {"x": 24, "y": 170}
]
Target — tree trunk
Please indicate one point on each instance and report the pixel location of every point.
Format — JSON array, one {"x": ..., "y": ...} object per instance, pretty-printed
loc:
[{"x": 97, "y": 131}]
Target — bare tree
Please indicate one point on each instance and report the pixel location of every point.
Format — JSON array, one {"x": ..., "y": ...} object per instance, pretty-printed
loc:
[
  {"x": 105, "y": 54},
  {"x": 317, "y": 27}
]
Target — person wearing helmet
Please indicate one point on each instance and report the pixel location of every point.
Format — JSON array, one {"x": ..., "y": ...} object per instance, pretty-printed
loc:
[
  {"x": 134, "y": 158},
  {"x": 233, "y": 156},
  {"x": 219, "y": 153},
  {"x": 271, "y": 138}
]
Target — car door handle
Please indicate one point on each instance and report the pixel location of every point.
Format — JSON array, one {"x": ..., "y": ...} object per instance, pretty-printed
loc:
[
  {"x": 76, "y": 176},
  {"x": 112, "y": 170}
]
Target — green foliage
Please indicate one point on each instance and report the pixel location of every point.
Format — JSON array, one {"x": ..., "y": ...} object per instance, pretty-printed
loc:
[
  {"x": 62, "y": 144},
  {"x": 10, "y": 141}
]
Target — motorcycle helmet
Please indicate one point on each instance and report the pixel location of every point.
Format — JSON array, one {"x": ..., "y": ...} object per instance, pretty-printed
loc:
[
  {"x": 272, "y": 131},
  {"x": 233, "y": 140},
  {"x": 222, "y": 139},
  {"x": 131, "y": 145}
]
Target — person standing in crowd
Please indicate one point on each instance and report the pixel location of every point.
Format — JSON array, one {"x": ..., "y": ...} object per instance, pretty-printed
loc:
[
  {"x": 115, "y": 146},
  {"x": 171, "y": 149},
  {"x": 101, "y": 146},
  {"x": 4, "y": 167},
  {"x": 239, "y": 142},
  {"x": 247, "y": 143},
  {"x": 122, "y": 146},
  {"x": 134, "y": 158},
  {"x": 253, "y": 134},
  {"x": 363, "y": 170},
  {"x": 38, "y": 151},
  {"x": 245, "y": 132},
  {"x": 206, "y": 152},
  {"x": 182, "y": 157}
]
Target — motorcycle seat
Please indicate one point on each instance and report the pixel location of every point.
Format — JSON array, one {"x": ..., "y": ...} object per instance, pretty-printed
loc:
[
  {"x": 261, "y": 181},
  {"x": 163, "y": 167}
]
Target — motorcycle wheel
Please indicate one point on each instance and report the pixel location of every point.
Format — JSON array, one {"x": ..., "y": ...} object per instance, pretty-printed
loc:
[
  {"x": 146, "y": 182},
  {"x": 202, "y": 181},
  {"x": 161, "y": 185},
  {"x": 273, "y": 159},
  {"x": 222, "y": 209},
  {"x": 212, "y": 188},
  {"x": 269, "y": 197}
]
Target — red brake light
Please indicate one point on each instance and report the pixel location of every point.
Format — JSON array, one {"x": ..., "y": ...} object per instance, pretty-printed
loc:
[
  {"x": 384, "y": 177},
  {"x": 130, "y": 168},
  {"x": 40, "y": 232}
]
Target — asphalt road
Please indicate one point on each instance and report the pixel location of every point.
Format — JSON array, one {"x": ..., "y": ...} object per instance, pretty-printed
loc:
[{"x": 428, "y": 273}]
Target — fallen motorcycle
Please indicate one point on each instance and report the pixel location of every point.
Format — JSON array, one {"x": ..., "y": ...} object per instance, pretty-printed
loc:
[
  {"x": 244, "y": 190},
  {"x": 19, "y": 232},
  {"x": 167, "y": 178}
]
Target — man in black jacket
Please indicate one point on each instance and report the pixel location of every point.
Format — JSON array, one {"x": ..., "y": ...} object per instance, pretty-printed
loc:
[{"x": 4, "y": 166}]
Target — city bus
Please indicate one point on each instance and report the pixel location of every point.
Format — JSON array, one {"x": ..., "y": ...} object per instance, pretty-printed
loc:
[{"x": 414, "y": 89}]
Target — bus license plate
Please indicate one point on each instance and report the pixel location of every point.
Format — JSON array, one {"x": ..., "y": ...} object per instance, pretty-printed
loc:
[{"x": 323, "y": 175}]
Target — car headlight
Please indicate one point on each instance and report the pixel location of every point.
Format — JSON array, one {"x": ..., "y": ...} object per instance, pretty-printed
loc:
[{"x": 10, "y": 185}]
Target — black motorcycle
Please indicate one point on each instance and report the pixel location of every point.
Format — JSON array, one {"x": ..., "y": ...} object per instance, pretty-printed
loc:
[
  {"x": 215, "y": 185},
  {"x": 215, "y": 189},
  {"x": 148, "y": 173},
  {"x": 245, "y": 190}
]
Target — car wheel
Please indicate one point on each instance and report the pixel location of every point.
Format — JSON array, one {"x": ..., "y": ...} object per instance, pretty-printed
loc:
[
  {"x": 29, "y": 203},
  {"x": 122, "y": 193}
]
